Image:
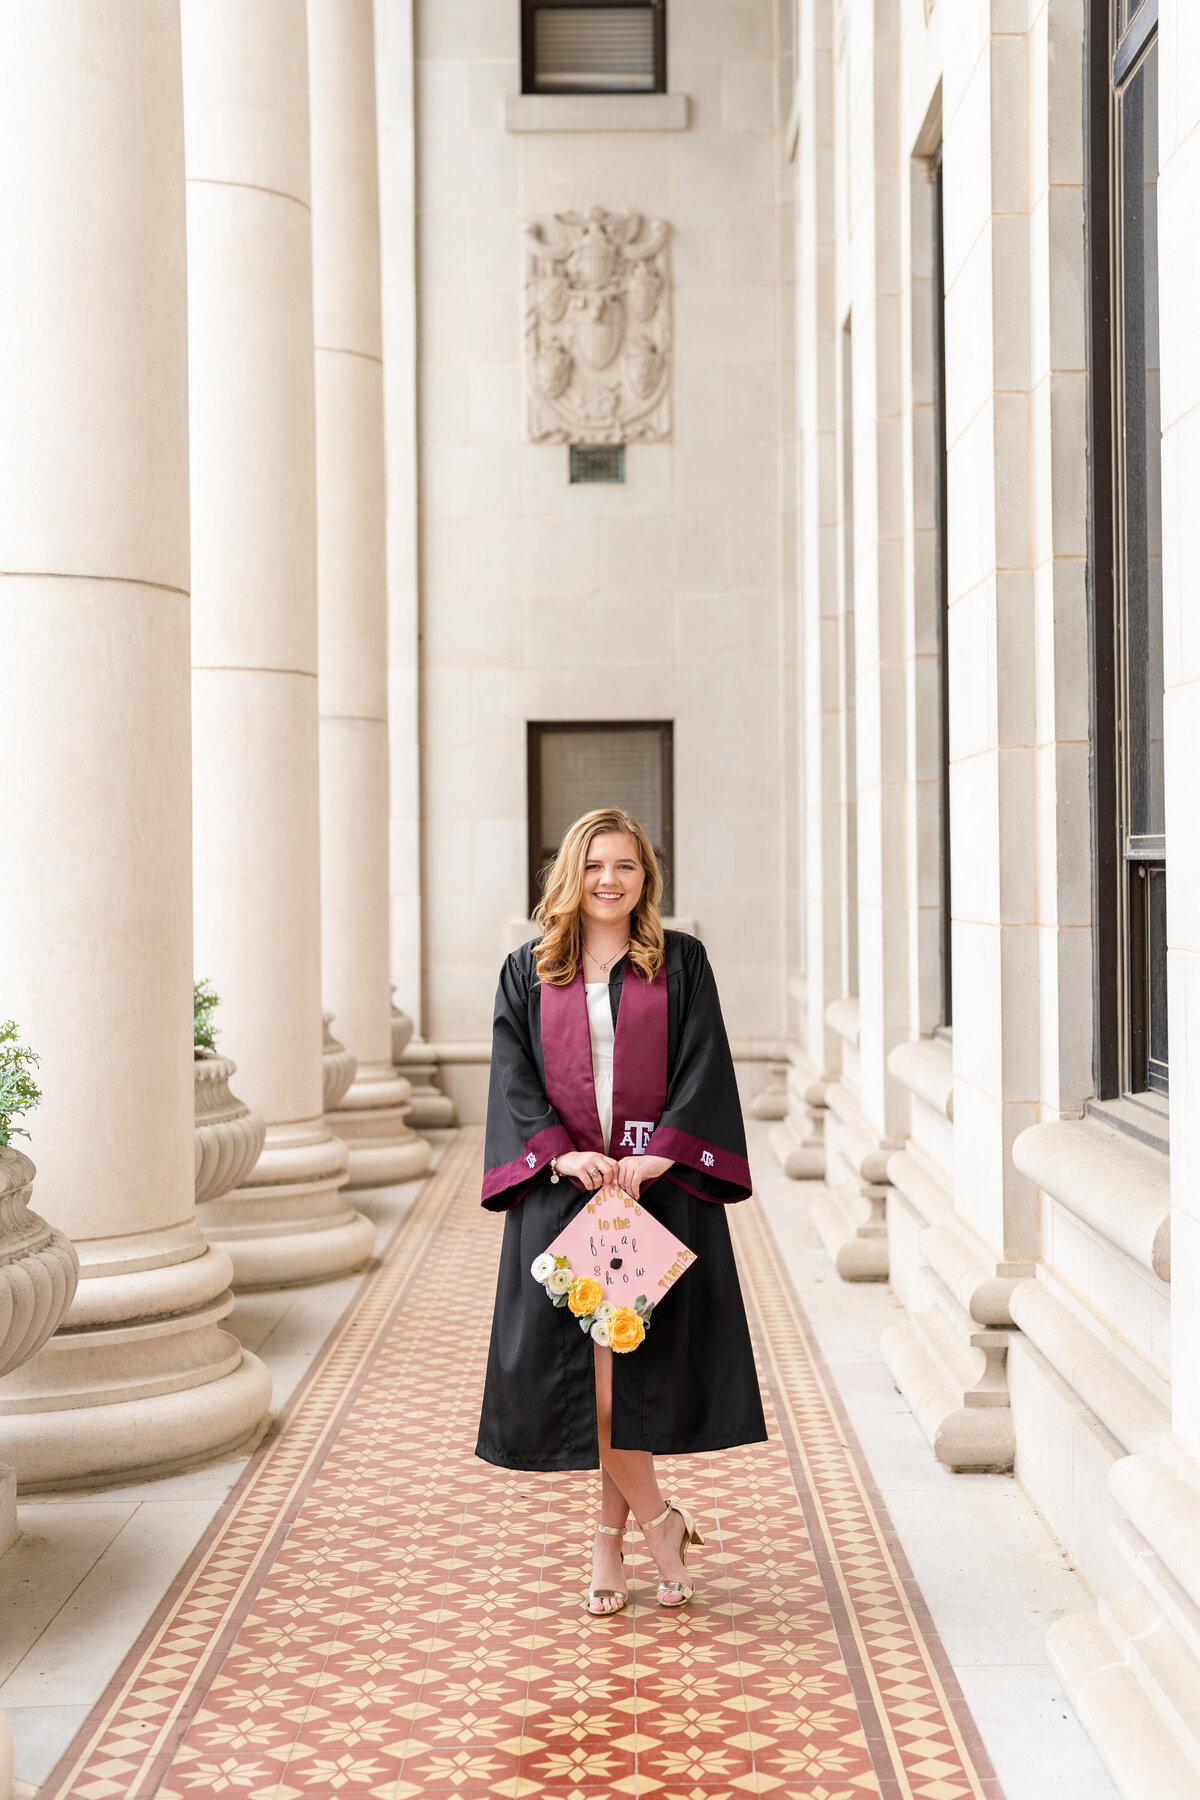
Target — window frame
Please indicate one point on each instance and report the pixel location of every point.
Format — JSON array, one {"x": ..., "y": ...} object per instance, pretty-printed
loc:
[
  {"x": 529, "y": 10},
  {"x": 536, "y": 730},
  {"x": 937, "y": 270},
  {"x": 847, "y": 664},
  {"x": 1124, "y": 865}
]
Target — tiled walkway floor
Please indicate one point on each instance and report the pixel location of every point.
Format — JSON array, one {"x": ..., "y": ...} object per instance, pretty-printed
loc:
[{"x": 374, "y": 1613}]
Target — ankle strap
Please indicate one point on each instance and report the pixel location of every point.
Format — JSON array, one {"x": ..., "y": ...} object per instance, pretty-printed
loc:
[
  {"x": 666, "y": 1512},
  {"x": 613, "y": 1530}
]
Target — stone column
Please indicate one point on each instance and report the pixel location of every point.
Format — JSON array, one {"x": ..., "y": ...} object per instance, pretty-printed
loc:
[
  {"x": 866, "y": 1108},
  {"x": 799, "y": 1140},
  {"x": 95, "y": 842},
  {"x": 352, "y": 590},
  {"x": 395, "y": 51},
  {"x": 254, "y": 626}
]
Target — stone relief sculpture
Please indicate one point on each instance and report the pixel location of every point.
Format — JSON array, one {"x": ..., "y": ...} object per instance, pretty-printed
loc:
[{"x": 597, "y": 329}]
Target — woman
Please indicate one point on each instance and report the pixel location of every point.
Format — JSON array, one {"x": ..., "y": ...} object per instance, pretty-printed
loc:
[{"x": 610, "y": 1064}]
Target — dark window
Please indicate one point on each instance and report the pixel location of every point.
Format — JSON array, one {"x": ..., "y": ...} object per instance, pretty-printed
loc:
[
  {"x": 597, "y": 462},
  {"x": 847, "y": 657},
  {"x": 593, "y": 46},
  {"x": 942, "y": 572},
  {"x": 1127, "y": 646},
  {"x": 576, "y": 768}
]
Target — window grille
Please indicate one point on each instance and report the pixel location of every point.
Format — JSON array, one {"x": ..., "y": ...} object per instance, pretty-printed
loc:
[
  {"x": 598, "y": 47},
  {"x": 597, "y": 462},
  {"x": 577, "y": 767}
]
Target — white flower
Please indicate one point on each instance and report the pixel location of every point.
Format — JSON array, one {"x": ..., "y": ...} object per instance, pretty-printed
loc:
[
  {"x": 605, "y": 1310},
  {"x": 543, "y": 1266},
  {"x": 600, "y": 1330},
  {"x": 559, "y": 1280}
]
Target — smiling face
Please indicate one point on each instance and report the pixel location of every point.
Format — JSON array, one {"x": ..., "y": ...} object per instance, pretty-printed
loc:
[{"x": 613, "y": 878}]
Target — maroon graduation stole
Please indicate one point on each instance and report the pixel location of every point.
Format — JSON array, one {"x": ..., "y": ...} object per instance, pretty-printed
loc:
[{"x": 639, "y": 1062}]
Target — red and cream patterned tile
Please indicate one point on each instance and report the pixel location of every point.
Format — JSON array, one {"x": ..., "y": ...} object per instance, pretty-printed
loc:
[{"x": 376, "y": 1616}]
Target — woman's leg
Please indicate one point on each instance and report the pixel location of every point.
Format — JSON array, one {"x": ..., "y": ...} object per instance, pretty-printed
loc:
[
  {"x": 607, "y": 1569},
  {"x": 629, "y": 1485}
]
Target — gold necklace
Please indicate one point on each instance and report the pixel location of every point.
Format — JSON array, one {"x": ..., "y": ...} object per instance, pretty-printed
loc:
[{"x": 605, "y": 967}]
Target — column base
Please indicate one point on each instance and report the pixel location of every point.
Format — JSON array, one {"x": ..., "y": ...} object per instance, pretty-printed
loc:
[
  {"x": 802, "y": 1158},
  {"x": 962, "y": 1436},
  {"x": 770, "y": 1102},
  {"x": 851, "y": 1215},
  {"x": 288, "y": 1224},
  {"x": 140, "y": 1377},
  {"x": 852, "y": 1230},
  {"x": 135, "y": 1440},
  {"x": 371, "y": 1120},
  {"x": 799, "y": 1138},
  {"x": 429, "y": 1109},
  {"x": 949, "y": 1356}
]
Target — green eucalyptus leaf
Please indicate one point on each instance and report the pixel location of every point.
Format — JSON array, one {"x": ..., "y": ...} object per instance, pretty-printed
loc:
[
  {"x": 205, "y": 1001},
  {"x": 19, "y": 1092}
]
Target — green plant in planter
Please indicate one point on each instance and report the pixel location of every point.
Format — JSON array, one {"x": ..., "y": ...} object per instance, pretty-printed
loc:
[
  {"x": 206, "y": 1003},
  {"x": 19, "y": 1092}
]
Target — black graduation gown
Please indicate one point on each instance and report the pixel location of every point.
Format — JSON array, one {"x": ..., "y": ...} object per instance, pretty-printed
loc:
[{"x": 691, "y": 1386}]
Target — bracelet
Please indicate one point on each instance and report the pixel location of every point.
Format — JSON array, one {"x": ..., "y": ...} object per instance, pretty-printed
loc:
[{"x": 553, "y": 1169}]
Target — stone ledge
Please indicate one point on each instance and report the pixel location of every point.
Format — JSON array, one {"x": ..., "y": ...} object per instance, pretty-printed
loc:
[
  {"x": 867, "y": 1155},
  {"x": 924, "y": 1193},
  {"x": 1124, "y": 1405},
  {"x": 1140, "y": 1753},
  {"x": 984, "y": 1294},
  {"x": 807, "y": 1085},
  {"x": 842, "y": 1016},
  {"x": 1119, "y": 1188},
  {"x": 926, "y": 1068},
  {"x": 595, "y": 112},
  {"x": 1165, "y": 1512}
]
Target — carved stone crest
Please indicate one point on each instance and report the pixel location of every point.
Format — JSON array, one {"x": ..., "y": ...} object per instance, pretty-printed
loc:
[{"x": 597, "y": 329}]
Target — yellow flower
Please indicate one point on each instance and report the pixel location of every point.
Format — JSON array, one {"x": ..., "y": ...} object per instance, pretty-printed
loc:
[
  {"x": 625, "y": 1329},
  {"x": 585, "y": 1295}
]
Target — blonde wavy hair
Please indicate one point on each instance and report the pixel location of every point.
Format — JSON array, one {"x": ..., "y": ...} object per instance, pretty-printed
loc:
[{"x": 560, "y": 950}]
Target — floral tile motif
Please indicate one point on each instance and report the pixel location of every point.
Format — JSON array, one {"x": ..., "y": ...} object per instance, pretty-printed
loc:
[{"x": 374, "y": 1615}]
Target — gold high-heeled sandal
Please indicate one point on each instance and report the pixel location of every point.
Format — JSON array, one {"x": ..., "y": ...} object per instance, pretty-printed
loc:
[
  {"x": 608, "y": 1612},
  {"x": 684, "y": 1590}
]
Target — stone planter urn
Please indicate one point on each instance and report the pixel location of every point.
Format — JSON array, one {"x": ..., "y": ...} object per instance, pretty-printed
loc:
[
  {"x": 229, "y": 1137},
  {"x": 38, "y": 1275},
  {"x": 38, "y": 1268},
  {"x": 340, "y": 1065}
]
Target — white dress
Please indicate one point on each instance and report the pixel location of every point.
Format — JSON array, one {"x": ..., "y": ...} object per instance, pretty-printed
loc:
[{"x": 600, "y": 1029}]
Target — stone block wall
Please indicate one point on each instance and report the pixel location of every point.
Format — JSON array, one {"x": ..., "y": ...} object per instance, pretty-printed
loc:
[{"x": 664, "y": 598}]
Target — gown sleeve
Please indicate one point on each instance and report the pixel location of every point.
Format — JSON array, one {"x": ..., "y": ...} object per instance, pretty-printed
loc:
[
  {"x": 701, "y": 1127},
  {"x": 523, "y": 1129}
]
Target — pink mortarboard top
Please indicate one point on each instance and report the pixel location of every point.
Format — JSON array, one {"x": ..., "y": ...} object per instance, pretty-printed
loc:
[{"x": 624, "y": 1247}]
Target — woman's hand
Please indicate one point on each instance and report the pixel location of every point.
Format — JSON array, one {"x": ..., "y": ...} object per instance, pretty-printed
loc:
[
  {"x": 633, "y": 1170},
  {"x": 592, "y": 1167}
]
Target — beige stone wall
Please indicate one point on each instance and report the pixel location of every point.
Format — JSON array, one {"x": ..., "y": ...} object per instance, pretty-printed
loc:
[{"x": 661, "y": 599}]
